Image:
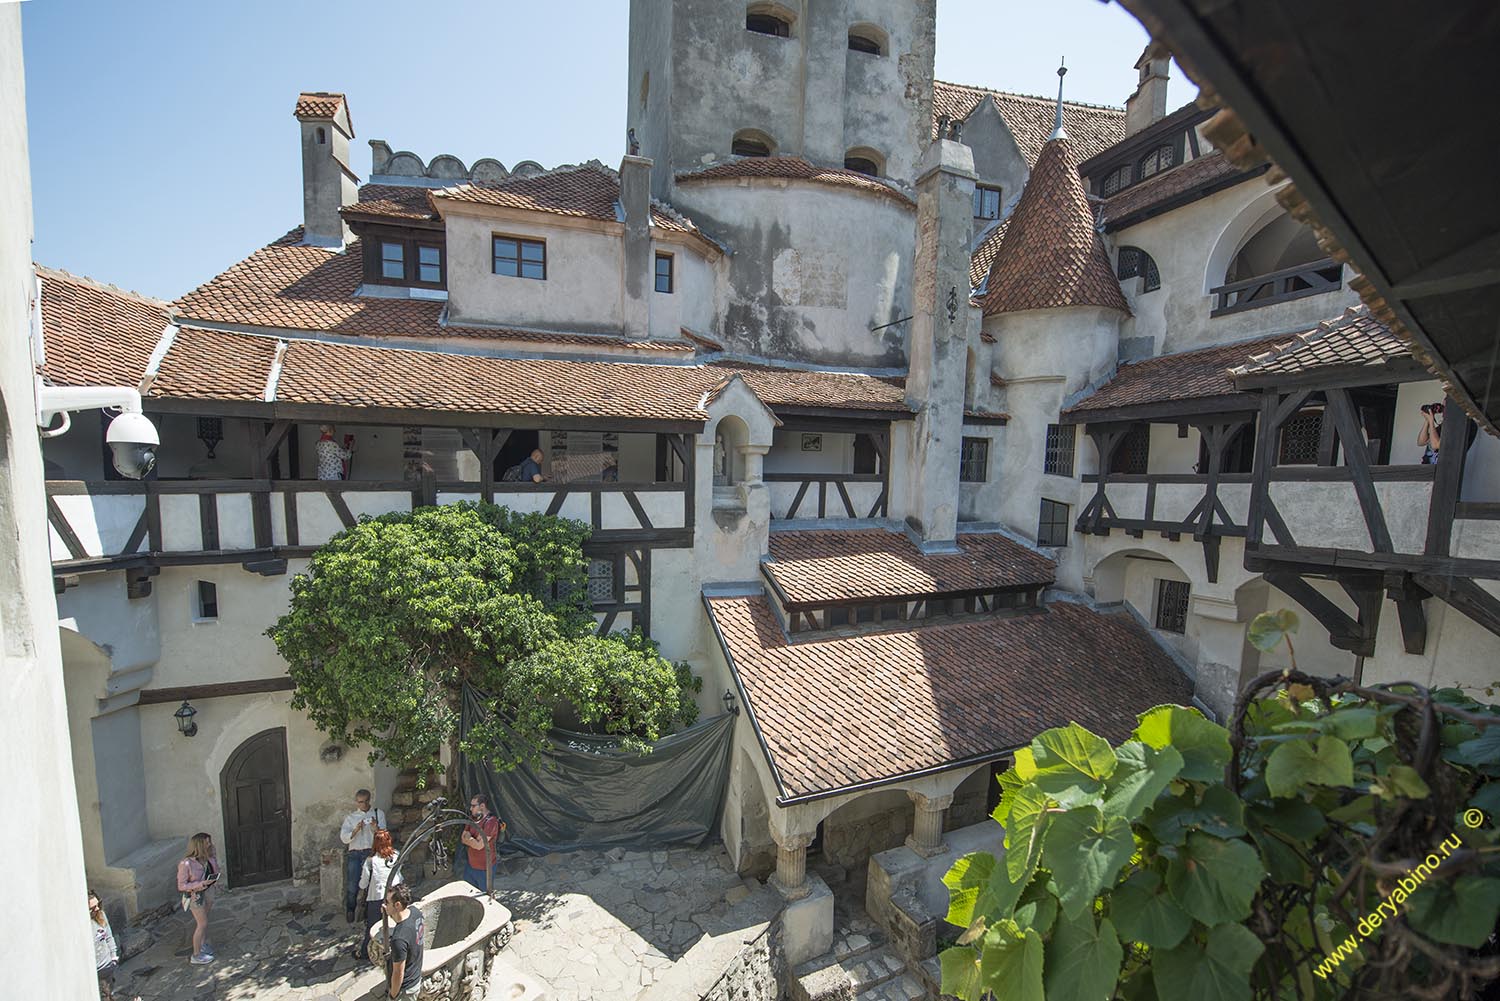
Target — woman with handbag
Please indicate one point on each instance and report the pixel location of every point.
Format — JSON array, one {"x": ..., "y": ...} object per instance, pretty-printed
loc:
[
  {"x": 196, "y": 875},
  {"x": 377, "y": 875}
]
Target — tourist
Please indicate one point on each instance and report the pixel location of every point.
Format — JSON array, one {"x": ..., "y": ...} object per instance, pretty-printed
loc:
[
  {"x": 531, "y": 467},
  {"x": 476, "y": 865},
  {"x": 403, "y": 965},
  {"x": 358, "y": 835},
  {"x": 1431, "y": 435},
  {"x": 331, "y": 455},
  {"x": 106, "y": 955},
  {"x": 196, "y": 875},
  {"x": 375, "y": 878}
]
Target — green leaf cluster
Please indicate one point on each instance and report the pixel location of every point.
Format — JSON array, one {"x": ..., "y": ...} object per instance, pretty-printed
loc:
[
  {"x": 394, "y": 615},
  {"x": 1153, "y": 870}
]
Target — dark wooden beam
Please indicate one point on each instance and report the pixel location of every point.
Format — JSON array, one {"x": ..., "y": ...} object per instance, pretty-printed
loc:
[
  {"x": 346, "y": 517},
  {"x": 1450, "y": 476},
  {"x": 1344, "y": 631},
  {"x": 1358, "y": 459},
  {"x": 65, "y": 531},
  {"x": 1466, "y": 596},
  {"x": 1408, "y": 596},
  {"x": 1231, "y": 405},
  {"x": 208, "y": 520},
  {"x": 223, "y": 689}
]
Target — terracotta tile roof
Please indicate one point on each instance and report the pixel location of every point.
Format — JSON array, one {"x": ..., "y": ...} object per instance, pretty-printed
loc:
[
  {"x": 1051, "y": 254},
  {"x": 1092, "y": 127},
  {"x": 214, "y": 365},
  {"x": 794, "y": 168},
  {"x": 1184, "y": 376},
  {"x": 393, "y": 201},
  {"x": 585, "y": 191},
  {"x": 822, "y": 566},
  {"x": 96, "y": 334},
  {"x": 706, "y": 343},
  {"x": 836, "y": 712},
  {"x": 292, "y": 287},
  {"x": 318, "y": 104},
  {"x": 1153, "y": 191},
  {"x": 1354, "y": 339},
  {"x": 984, "y": 255},
  {"x": 838, "y": 390}
]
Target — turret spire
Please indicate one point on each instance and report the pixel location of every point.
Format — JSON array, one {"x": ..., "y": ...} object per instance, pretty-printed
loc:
[{"x": 1057, "y": 128}]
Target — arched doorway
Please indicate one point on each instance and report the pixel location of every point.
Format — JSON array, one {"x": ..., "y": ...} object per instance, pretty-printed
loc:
[{"x": 257, "y": 810}]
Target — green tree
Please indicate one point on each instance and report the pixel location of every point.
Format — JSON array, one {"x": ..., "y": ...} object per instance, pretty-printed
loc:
[
  {"x": 396, "y": 614},
  {"x": 1199, "y": 863}
]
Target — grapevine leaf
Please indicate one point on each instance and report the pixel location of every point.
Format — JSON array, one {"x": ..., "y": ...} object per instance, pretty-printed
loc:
[
  {"x": 1299, "y": 763},
  {"x": 1083, "y": 959},
  {"x": 1215, "y": 880},
  {"x": 1482, "y": 750},
  {"x": 1072, "y": 763},
  {"x": 1268, "y": 629},
  {"x": 1352, "y": 722},
  {"x": 1218, "y": 970},
  {"x": 979, "y": 891},
  {"x": 961, "y": 972},
  {"x": 1085, "y": 851},
  {"x": 1141, "y": 775},
  {"x": 1025, "y": 832},
  {"x": 1401, "y": 782},
  {"x": 1462, "y": 912},
  {"x": 1204, "y": 745},
  {"x": 1037, "y": 907},
  {"x": 1145, "y": 912},
  {"x": 1219, "y": 813},
  {"x": 1011, "y": 963}
]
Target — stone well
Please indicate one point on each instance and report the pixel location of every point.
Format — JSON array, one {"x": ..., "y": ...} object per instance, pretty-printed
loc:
[{"x": 465, "y": 929}]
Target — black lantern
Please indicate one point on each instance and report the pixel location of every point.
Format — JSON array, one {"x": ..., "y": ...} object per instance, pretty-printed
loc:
[
  {"x": 729, "y": 705},
  {"x": 184, "y": 716}
]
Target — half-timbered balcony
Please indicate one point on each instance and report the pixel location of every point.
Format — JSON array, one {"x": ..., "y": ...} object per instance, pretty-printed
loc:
[
  {"x": 1297, "y": 282},
  {"x": 829, "y": 470}
]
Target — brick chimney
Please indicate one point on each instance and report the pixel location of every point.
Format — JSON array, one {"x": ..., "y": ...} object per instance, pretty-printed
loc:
[
  {"x": 328, "y": 183},
  {"x": 939, "y": 340},
  {"x": 1148, "y": 105},
  {"x": 638, "y": 263}
]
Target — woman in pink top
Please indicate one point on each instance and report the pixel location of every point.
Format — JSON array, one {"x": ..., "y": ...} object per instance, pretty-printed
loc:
[{"x": 196, "y": 875}]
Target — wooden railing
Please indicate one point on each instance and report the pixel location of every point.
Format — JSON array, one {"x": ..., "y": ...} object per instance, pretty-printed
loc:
[
  {"x": 828, "y": 495},
  {"x": 1278, "y": 286}
]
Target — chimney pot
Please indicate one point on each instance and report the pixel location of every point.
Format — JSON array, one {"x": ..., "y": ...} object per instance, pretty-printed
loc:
[
  {"x": 328, "y": 183},
  {"x": 1148, "y": 105}
]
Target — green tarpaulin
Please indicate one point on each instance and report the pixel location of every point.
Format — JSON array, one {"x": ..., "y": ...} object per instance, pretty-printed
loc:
[{"x": 587, "y": 793}]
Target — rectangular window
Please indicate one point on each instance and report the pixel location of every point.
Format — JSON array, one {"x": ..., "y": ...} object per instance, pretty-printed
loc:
[
  {"x": 1300, "y": 437},
  {"x": 664, "y": 273},
  {"x": 986, "y": 202},
  {"x": 206, "y": 601},
  {"x": 1052, "y": 527},
  {"x": 518, "y": 258},
  {"x": 974, "y": 460},
  {"x": 392, "y": 260},
  {"x": 429, "y": 264},
  {"x": 1172, "y": 605},
  {"x": 601, "y": 582},
  {"x": 1059, "y": 458}
]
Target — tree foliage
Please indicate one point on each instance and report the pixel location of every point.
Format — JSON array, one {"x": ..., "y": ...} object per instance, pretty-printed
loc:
[
  {"x": 396, "y": 614},
  {"x": 1199, "y": 863}
]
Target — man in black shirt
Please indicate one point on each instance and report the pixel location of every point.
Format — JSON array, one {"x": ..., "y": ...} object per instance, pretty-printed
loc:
[{"x": 403, "y": 967}]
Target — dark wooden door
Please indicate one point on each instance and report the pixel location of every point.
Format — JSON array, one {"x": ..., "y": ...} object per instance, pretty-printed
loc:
[{"x": 257, "y": 811}]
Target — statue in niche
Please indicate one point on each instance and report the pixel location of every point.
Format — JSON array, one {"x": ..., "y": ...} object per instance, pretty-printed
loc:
[{"x": 721, "y": 461}]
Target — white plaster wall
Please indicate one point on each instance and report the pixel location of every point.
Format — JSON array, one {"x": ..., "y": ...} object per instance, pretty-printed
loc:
[
  {"x": 232, "y": 647},
  {"x": 690, "y": 304},
  {"x": 582, "y": 290},
  {"x": 1170, "y": 454},
  {"x": 1191, "y": 245},
  {"x": 1482, "y": 471},
  {"x": 47, "y": 933},
  {"x": 786, "y": 455}
]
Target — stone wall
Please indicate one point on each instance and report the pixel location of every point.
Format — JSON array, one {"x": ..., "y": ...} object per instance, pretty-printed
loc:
[{"x": 757, "y": 973}]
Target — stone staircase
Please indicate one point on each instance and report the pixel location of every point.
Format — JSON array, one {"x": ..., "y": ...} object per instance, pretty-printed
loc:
[{"x": 861, "y": 966}]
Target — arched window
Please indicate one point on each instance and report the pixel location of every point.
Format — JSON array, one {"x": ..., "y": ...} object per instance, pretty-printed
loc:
[
  {"x": 865, "y": 161},
  {"x": 1116, "y": 179},
  {"x": 752, "y": 142},
  {"x": 1157, "y": 160},
  {"x": 1136, "y": 263},
  {"x": 867, "y": 38},
  {"x": 322, "y": 135},
  {"x": 769, "y": 19}
]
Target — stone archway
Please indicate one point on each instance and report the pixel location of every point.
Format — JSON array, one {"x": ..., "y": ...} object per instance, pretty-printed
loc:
[{"x": 256, "y": 793}]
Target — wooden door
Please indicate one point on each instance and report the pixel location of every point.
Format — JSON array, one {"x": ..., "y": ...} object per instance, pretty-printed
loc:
[{"x": 257, "y": 811}]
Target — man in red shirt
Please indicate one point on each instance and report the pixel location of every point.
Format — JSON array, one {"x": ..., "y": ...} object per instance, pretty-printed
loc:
[{"x": 474, "y": 866}]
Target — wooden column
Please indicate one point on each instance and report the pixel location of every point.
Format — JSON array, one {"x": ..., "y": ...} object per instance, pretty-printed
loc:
[{"x": 1445, "y": 487}]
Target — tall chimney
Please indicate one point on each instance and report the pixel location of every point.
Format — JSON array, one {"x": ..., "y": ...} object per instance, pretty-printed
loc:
[
  {"x": 638, "y": 280},
  {"x": 939, "y": 340},
  {"x": 328, "y": 183},
  {"x": 1148, "y": 105}
]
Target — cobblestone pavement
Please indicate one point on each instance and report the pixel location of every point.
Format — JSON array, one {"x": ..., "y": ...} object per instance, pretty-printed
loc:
[{"x": 590, "y": 924}]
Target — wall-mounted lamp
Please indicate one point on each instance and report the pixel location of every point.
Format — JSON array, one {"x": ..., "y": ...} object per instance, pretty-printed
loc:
[
  {"x": 184, "y": 716},
  {"x": 729, "y": 705}
]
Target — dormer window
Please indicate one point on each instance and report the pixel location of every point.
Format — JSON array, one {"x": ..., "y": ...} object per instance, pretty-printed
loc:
[
  {"x": 1157, "y": 160},
  {"x": 750, "y": 142},
  {"x": 404, "y": 257},
  {"x": 1116, "y": 179}
]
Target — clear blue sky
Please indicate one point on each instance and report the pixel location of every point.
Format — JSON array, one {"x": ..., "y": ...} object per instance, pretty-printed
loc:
[{"x": 163, "y": 147}]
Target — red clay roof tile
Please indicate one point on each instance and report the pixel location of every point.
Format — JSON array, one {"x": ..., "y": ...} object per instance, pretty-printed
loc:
[
  {"x": 1187, "y": 375},
  {"x": 585, "y": 191},
  {"x": 1354, "y": 339},
  {"x": 1200, "y": 172},
  {"x": 1093, "y": 127},
  {"x": 797, "y": 169},
  {"x": 845, "y": 710},
  {"x": 96, "y": 334}
]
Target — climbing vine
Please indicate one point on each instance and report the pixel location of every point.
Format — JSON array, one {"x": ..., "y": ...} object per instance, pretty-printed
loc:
[{"x": 1336, "y": 840}]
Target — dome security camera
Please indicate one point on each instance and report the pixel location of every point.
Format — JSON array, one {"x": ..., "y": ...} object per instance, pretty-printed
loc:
[{"x": 133, "y": 440}]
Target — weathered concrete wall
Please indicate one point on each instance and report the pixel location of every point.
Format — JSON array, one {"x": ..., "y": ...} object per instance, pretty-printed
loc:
[
  {"x": 49, "y": 938},
  {"x": 998, "y": 162},
  {"x": 648, "y": 98},
  {"x": 811, "y": 269}
]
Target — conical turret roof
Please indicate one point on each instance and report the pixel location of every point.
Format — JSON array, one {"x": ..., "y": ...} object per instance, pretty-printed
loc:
[{"x": 1051, "y": 254}]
